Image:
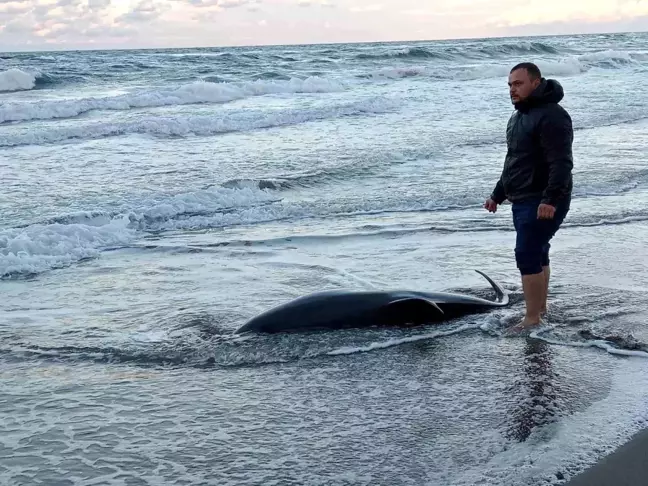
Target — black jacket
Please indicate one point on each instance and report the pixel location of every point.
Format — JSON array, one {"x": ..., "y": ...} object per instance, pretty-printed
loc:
[{"x": 539, "y": 159}]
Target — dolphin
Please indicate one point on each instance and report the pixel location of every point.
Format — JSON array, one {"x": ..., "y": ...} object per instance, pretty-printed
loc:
[{"x": 346, "y": 309}]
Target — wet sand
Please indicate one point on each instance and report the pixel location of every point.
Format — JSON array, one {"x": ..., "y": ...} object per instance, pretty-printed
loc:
[{"x": 627, "y": 466}]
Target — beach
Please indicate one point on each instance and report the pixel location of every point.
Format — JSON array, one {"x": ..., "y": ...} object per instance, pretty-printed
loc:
[
  {"x": 155, "y": 200},
  {"x": 624, "y": 467}
]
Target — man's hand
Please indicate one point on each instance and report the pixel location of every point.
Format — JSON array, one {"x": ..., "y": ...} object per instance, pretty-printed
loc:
[
  {"x": 546, "y": 211},
  {"x": 490, "y": 205}
]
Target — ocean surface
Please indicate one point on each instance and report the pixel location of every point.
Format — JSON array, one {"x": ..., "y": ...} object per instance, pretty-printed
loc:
[{"x": 152, "y": 201}]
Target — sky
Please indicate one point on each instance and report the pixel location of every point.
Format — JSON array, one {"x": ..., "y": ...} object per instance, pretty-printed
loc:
[{"x": 78, "y": 24}]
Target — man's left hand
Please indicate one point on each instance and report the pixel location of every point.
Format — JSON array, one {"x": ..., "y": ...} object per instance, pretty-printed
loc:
[{"x": 546, "y": 211}]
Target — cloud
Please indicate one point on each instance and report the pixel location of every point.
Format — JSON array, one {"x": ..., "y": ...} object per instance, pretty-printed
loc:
[
  {"x": 96, "y": 4},
  {"x": 233, "y": 3},
  {"x": 17, "y": 26},
  {"x": 188, "y": 23},
  {"x": 15, "y": 8},
  {"x": 64, "y": 22},
  {"x": 223, "y": 4},
  {"x": 315, "y": 3},
  {"x": 376, "y": 7},
  {"x": 419, "y": 12},
  {"x": 145, "y": 11},
  {"x": 632, "y": 24}
]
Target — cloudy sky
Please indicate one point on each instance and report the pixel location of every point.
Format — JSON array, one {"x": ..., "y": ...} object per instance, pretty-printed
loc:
[{"x": 52, "y": 24}]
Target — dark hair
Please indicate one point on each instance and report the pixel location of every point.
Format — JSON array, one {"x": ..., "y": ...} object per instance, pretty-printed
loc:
[{"x": 532, "y": 69}]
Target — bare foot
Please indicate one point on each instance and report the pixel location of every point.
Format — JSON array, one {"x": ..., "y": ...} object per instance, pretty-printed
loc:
[{"x": 523, "y": 327}]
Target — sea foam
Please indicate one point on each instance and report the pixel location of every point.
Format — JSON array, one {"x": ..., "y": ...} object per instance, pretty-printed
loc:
[{"x": 16, "y": 80}]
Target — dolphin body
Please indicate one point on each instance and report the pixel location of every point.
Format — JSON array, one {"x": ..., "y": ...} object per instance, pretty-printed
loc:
[{"x": 344, "y": 309}]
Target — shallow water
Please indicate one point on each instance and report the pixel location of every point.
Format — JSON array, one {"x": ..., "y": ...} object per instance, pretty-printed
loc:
[{"x": 146, "y": 215}]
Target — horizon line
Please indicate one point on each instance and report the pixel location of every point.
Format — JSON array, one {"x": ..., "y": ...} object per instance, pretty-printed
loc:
[{"x": 303, "y": 44}]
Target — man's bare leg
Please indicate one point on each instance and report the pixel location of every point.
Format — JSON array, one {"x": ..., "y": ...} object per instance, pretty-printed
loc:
[
  {"x": 546, "y": 273},
  {"x": 534, "y": 287}
]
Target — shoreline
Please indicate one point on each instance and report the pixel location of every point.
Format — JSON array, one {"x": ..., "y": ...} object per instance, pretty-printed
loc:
[{"x": 626, "y": 466}]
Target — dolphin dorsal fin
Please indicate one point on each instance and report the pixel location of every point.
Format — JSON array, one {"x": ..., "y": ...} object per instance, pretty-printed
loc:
[{"x": 502, "y": 295}]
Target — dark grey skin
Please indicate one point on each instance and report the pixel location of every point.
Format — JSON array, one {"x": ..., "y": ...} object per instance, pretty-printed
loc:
[{"x": 344, "y": 309}]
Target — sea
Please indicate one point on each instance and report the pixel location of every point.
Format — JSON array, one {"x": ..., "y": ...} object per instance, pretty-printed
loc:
[{"x": 152, "y": 201}]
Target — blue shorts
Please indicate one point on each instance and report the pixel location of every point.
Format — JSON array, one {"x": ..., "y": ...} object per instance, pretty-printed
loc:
[{"x": 533, "y": 234}]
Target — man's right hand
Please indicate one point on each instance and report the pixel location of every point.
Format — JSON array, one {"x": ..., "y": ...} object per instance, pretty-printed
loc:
[{"x": 490, "y": 205}]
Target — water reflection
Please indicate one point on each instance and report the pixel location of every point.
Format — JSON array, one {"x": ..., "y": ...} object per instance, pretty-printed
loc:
[{"x": 534, "y": 393}]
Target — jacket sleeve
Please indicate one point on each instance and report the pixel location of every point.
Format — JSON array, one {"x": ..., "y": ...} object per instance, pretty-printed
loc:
[
  {"x": 498, "y": 195},
  {"x": 556, "y": 137}
]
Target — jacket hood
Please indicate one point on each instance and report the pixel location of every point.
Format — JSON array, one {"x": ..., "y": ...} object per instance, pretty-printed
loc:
[{"x": 549, "y": 91}]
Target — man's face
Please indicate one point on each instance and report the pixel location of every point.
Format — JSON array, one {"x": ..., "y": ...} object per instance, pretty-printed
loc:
[{"x": 521, "y": 85}]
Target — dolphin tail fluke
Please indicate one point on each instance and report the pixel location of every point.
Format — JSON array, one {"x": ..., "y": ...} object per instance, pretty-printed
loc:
[{"x": 502, "y": 295}]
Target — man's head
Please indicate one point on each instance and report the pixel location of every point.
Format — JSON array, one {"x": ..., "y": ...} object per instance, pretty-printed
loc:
[{"x": 523, "y": 79}]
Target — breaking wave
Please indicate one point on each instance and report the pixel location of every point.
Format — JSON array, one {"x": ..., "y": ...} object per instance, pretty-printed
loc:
[
  {"x": 16, "y": 80},
  {"x": 197, "y": 125},
  {"x": 459, "y": 53},
  {"x": 197, "y": 92},
  {"x": 64, "y": 240}
]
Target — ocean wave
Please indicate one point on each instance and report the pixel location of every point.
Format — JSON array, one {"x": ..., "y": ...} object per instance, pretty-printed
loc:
[
  {"x": 608, "y": 58},
  {"x": 410, "y": 52},
  {"x": 64, "y": 240},
  {"x": 454, "y": 53},
  {"x": 194, "y": 93},
  {"x": 564, "y": 67},
  {"x": 67, "y": 239},
  {"x": 507, "y": 49},
  {"x": 38, "y": 248},
  {"x": 196, "y": 125},
  {"x": 206, "y": 343},
  {"x": 271, "y": 184},
  {"x": 16, "y": 80}
]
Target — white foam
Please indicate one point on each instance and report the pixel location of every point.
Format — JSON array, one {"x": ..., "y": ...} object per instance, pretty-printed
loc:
[
  {"x": 205, "y": 201},
  {"x": 398, "y": 341},
  {"x": 577, "y": 441},
  {"x": 608, "y": 55},
  {"x": 183, "y": 126},
  {"x": 400, "y": 72},
  {"x": 41, "y": 247},
  {"x": 150, "y": 336},
  {"x": 594, "y": 343},
  {"x": 197, "y": 92},
  {"x": 15, "y": 80},
  {"x": 566, "y": 67}
]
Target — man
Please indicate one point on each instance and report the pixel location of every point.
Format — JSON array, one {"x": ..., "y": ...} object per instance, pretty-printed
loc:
[{"x": 536, "y": 179}]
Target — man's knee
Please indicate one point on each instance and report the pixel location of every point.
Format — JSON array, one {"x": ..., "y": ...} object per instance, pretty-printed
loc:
[{"x": 528, "y": 261}]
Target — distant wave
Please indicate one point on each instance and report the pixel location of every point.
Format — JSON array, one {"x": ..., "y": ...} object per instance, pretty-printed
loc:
[
  {"x": 196, "y": 125},
  {"x": 198, "y": 92},
  {"x": 518, "y": 48},
  {"x": 458, "y": 53},
  {"x": 410, "y": 52},
  {"x": 564, "y": 67},
  {"x": 561, "y": 66}
]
